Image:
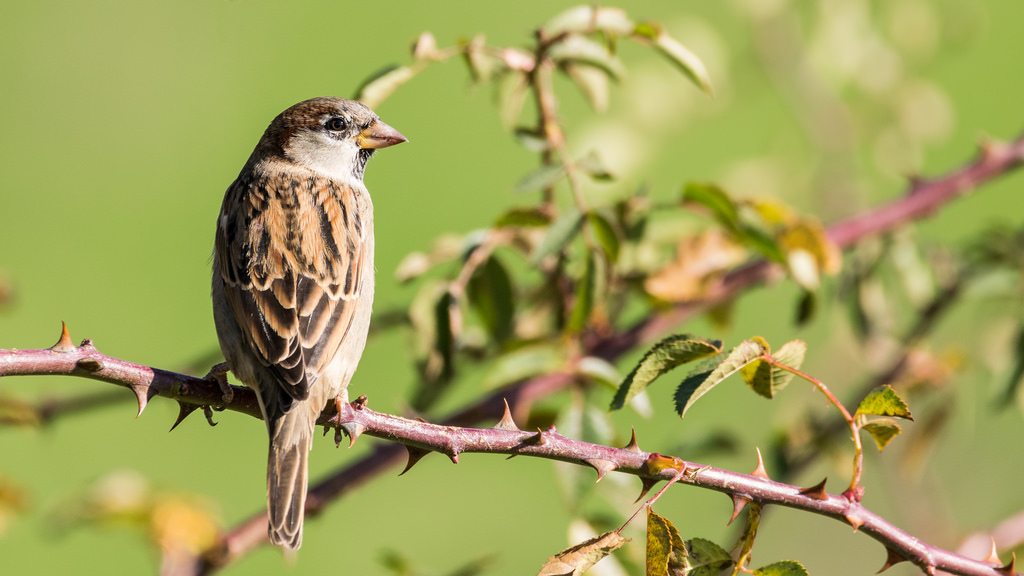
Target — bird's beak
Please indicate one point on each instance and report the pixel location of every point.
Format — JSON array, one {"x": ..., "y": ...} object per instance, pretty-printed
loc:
[{"x": 379, "y": 135}]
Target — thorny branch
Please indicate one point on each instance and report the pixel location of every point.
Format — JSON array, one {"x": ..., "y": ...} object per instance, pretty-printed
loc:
[{"x": 925, "y": 197}]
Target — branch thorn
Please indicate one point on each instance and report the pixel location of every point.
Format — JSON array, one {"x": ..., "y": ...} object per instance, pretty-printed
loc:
[
  {"x": 1010, "y": 568},
  {"x": 602, "y": 466},
  {"x": 63, "y": 344},
  {"x": 892, "y": 558},
  {"x": 993, "y": 555},
  {"x": 739, "y": 501},
  {"x": 183, "y": 411},
  {"x": 352, "y": 429},
  {"x": 633, "y": 446},
  {"x": 506, "y": 422},
  {"x": 415, "y": 455},
  {"x": 538, "y": 439},
  {"x": 853, "y": 519},
  {"x": 646, "y": 485},
  {"x": 817, "y": 492},
  {"x": 759, "y": 469},
  {"x": 141, "y": 393}
]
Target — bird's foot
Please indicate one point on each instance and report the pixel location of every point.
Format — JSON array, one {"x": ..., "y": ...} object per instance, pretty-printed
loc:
[{"x": 219, "y": 374}]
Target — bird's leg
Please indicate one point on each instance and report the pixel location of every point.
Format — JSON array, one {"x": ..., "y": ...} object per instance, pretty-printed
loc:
[{"x": 219, "y": 374}]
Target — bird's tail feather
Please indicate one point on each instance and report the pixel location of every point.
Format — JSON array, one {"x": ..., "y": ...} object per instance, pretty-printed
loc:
[{"x": 287, "y": 472}]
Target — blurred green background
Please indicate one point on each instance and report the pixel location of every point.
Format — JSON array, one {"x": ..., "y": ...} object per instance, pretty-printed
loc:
[{"x": 123, "y": 123}]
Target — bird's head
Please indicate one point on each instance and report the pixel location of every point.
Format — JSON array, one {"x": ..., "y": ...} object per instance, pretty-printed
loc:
[{"x": 332, "y": 136}]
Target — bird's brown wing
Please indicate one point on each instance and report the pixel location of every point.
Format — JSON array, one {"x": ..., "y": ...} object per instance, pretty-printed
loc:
[{"x": 291, "y": 258}]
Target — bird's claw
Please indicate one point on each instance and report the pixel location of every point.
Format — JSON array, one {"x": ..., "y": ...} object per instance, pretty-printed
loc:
[{"x": 219, "y": 374}]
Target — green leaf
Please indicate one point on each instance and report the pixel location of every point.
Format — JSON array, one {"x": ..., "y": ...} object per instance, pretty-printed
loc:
[
  {"x": 490, "y": 293},
  {"x": 540, "y": 178},
  {"x": 577, "y": 49},
  {"x": 757, "y": 240},
  {"x": 715, "y": 199},
  {"x": 529, "y": 138},
  {"x": 883, "y": 430},
  {"x": 523, "y": 217},
  {"x": 605, "y": 235},
  {"x": 592, "y": 165},
  {"x": 585, "y": 289},
  {"x": 379, "y": 86},
  {"x": 664, "y": 356},
  {"x": 709, "y": 375},
  {"x": 766, "y": 379},
  {"x": 588, "y": 18},
  {"x": 884, "y": 401},
  {"x": 705, "y": 558},
  {"x": 559, "y": 235},
  {"x": 783, "y": 568},
  {"x": 680, "y": 55}
]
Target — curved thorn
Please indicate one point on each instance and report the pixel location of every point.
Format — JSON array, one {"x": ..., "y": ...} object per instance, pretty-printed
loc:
[
  {"x": 646, "y": 485},
  {"x": 506, "y": 422},
  {"x": 64, "y": 343},
  {"x": 183, "y": 411},
  {"x": 142, "y": 396},
  {"x": 816, "y": 492},
  {"x": 633, "y": 446},
  {"x": 993, "y": 555},
  {"x": 759, "y": 469},
  {"x": 352, "y": 429},
  {"x": 1010, "y": 568},
  {"x": 602, "y": 466},
  {"x": 891, "y": 560},
  {"x": 538, "y": 439},
  {"x": 415, "y": 455},
  {"x": 739, "y": 501}
]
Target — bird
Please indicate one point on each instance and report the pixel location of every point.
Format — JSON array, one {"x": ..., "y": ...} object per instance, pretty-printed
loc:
[{"x": 293, "y": 280}]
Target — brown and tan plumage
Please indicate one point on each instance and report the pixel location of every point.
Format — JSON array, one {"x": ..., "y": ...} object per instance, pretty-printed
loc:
[{"x": 293, "y": 280}]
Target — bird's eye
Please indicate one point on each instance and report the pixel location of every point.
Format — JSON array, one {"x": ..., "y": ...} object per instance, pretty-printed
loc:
[{"x": 335, "y": 124}]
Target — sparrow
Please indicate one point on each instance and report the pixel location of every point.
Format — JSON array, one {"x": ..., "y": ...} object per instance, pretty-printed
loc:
[{"x": 293, "y": 280}]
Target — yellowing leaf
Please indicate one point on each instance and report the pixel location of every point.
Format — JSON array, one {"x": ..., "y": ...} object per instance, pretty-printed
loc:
[
  {"x": 588, "y": 18},
  {"x": 678, "y": 54},
  {"x": 577, "y": 559},
  {"x": 378, "y": 87},
  {"x": 810, "y": 236},
  {"x": 767, "y": 379},
  {"x": 577, "y": 49},
  {"x": 667, "y": 554},
  {"x": 883, "y": 430},
  {"x": 664, "y": 356},
  {"x": 700, "y": 263},
  {"x": 884, "y": 401}
]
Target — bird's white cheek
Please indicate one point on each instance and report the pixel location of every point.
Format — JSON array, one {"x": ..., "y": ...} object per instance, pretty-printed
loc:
[{"x": 332, "y": 158}]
